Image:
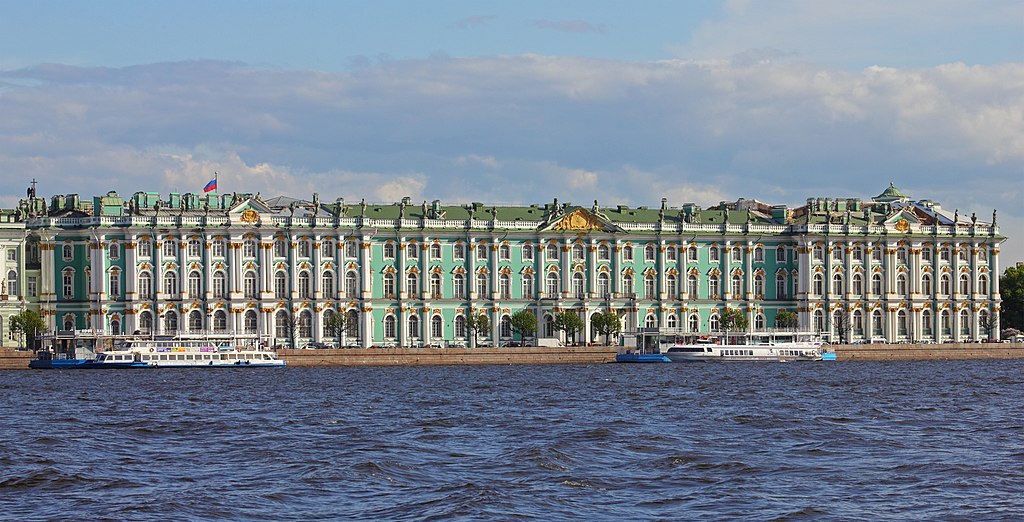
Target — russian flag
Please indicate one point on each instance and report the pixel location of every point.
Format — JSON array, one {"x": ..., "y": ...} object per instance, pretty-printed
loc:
[{"x": 211, "y": 186}]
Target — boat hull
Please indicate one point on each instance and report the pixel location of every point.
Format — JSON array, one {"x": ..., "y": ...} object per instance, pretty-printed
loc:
[{"x": 641, "y": 358}]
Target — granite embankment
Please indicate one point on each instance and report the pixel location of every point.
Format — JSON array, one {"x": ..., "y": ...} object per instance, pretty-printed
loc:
[{"x": 10, "y": 360}]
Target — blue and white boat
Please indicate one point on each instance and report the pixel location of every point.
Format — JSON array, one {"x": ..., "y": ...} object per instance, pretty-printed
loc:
[
  {"x": 634, "y": 356},
  {"x": 99, "y": 352}
]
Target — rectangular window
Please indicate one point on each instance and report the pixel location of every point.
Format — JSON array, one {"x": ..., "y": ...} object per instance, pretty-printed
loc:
[
  {"x": 780, "y": 254},
  {"x": 12, "y": 254},
  {"x": 145, "y": 248},
  {"x": 115, "y": 285},
  {"x": 527, "y": 252},
  {"x": 32, "y": 288},
  {"x": 68, "y": 290}
]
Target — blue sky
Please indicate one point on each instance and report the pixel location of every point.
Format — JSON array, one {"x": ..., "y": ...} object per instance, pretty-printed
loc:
[{"x": 520, "y": 102}]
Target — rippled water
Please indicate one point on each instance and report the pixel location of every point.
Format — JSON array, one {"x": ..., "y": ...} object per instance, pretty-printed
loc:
[{"x": 903, "y": 440}]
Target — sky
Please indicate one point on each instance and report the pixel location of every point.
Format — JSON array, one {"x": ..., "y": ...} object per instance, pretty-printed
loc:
[{"x": 520, "y": 102}]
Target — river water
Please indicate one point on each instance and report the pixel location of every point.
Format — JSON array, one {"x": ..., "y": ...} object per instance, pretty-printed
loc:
[{"x": 798, "y": 441}]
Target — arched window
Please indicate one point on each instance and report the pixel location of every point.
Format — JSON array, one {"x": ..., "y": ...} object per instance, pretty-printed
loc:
[
  {"x": 505, "y": 327},
  {"x": 250, "y": 284},
  {"x": 578, "y": 287},
  {"x": 945, "y": 323},
  {"x": 627, "y": 285},
  {"x": 459, "y": 250},
  {"x": 965, "y": 322},
  {"x": 145, "y": 285},
  {"x": 250, "y": 322},
  {"x": 926, "y": 322},
  {"x": 627, "y": 253},
  {"x": 195, "y": 321},
  {"x": 876, "y": 322},
  {"x": 691, "y": 253},
  {"x": 305, "y": 324},
  {"x": 552, "y": 252},
  {"x": 901, "y": 284},
  {"x": 858, "y": 287},
  {"x": 671, "y": 321},
  {"x": 604, "y": 285},
  {"x": 195, "y": 285},
  {"x": 170, "y": 283},
  {"x": 837, "y": 284},
  {"x": 673, "y": 287},
  {"x": 650, "y": 290},
  {"x": 389, "y": 286},
  {"x": 876, "y": 284},
  {"x": 528, "y": 286},
  {"x": 282, "y": 325},
  {"x": 504, "y": 252},
  {"x": 944, "y": 284},
  {"x": 694, "y": 323},
  {"x": 713, "y": 287},
  {"x": 759, "y": 286},
  {"x": 549, "y": 325},
  {"x": 737, "y": 286},
  {"x": 413, "y": 250},
  {"x": 691, "y": 287},
  {"x": 69, "y": 322},
  {"x": 459, "y": 286},
  {"x": 819, "y": 320},
  {"x": 220, "y": 321},
  {"x": 713, "y": 254},
  {"x": 780, "y": 286},
  {"x": 481, "y": 251},
  {"x": 220, "y": 285},
  {"x": 527, "y": 252},
  {"x": 759, "y": 322},
  {"x": 858, "y": 323},
  {"x": 819, "y": 284},
  {"x": 436, "y": 327},
  {"x": 964, "y": 284},
  {"x": 460, "y": 326},
  {"x": 670, "y": 253},
  {"x": 115, "y": 326},
  {"x": 926, "y": 284},
  {"x": 170, "y": 322},
  {"x": 737, "y": 254},
  {"x": 305, "y": 292},
  {"x": 352, "y": 324},
  {"x": 505, "y": 286},
  {"x": 113, "y": 251},
  {"x": 650, "y": 252},
  {"x": 414, "y": 327},
  {"x": 481, "y": 285},
  {"x": 280, "y": 284},
  {"x": 351, "y": 288},
  {"x": 983, "y": 320},
  {"x": 145, "y": 322},
  {"x": 713, "y": 322},
  {"x": 435, "y": 286},
  {"x": 552, "y": 284},
  {"x": 983, "y": 285},
  {"x": 602, "y": 253},
  {"x": 389, "y": 250},
  {"x": 901, "y": 323},
  {"x": 650, "y": 321},
  {"x": 412, "y": 284},
  {"x": 435, "y": 251},
  {"x": 113, "y": 282}
]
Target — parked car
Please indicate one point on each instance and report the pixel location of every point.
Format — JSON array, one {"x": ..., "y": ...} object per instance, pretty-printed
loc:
[{"x": 315, "y": 346}]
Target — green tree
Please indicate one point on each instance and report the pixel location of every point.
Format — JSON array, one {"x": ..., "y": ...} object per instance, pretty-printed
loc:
[
  {"x": 606, "y": 323},
  {"x": 786, "y": 319},
  {"x": 567, "y": 321},
  {"x": 987, "y": 323},
  {"x": 29, "y": 324},
  {"x": 476, "y": 323},
  {"x": 335, "y": 325},
  {"x": 1011, "y": 290},
  {"x": 733, "y": 319},
  {"x": 524, "y": 323}
]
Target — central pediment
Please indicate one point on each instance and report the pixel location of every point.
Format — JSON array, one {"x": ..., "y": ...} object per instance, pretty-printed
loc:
[{"x": 580, "y": 220}]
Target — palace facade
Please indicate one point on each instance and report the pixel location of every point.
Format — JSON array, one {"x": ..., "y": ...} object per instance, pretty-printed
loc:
[{"x": 409, "y": 275}]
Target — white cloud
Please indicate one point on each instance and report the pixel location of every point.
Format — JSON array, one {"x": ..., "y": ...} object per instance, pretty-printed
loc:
[{"x": 572, "y": 128}]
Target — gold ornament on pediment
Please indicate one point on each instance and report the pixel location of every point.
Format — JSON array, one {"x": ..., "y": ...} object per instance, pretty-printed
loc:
[
  {"x": 903, "y": 225},
  {"x": 579, "y": 219},
  {"x": 250, "y": 216}
]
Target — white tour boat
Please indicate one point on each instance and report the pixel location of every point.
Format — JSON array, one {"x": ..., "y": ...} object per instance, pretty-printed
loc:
[{"x": 756, "y": 346}]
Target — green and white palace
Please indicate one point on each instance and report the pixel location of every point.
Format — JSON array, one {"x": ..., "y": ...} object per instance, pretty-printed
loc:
[{"x": 408, "y": 274}]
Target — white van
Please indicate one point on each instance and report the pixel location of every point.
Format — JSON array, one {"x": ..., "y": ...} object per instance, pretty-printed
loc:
[{"x": 878, "y": 340}]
